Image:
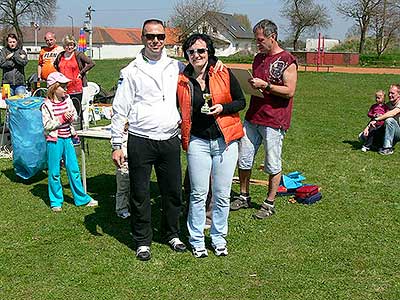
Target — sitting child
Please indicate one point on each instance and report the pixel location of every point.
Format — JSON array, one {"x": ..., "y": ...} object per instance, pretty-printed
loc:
[{"x": 370, "y": 133}]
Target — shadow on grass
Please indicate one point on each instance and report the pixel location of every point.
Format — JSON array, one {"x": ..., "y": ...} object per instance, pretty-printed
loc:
[
  {"x": 40, "y": 190},
  {"x": 10, "y": 174},
  {"x": 355, "y": 145},
  {"x": 104, "y": 219},
  {"x": 377, "y": 143}
]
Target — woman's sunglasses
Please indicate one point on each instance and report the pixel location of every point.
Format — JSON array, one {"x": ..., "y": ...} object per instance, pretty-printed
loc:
[
  {"x": 151, "y": 37},
  {"x": 198, "y": 51}
]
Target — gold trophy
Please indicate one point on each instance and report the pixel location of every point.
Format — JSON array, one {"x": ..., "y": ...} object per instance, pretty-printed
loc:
[{"x": 205, "y": 109}]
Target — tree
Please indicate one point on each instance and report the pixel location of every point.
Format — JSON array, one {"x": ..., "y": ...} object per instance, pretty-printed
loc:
[
  {"x": 304, "y": 15},
  {"x": 243, "y": 20},
  {"x": 187, "y": 12},
  {"x": 16, "y": 13},
  {"x": 385, "y": 23},
  {"x": 361, "y": 11}
]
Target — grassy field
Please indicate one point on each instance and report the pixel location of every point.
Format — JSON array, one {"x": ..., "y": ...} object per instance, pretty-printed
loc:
[{"x": 344, "y": 247}]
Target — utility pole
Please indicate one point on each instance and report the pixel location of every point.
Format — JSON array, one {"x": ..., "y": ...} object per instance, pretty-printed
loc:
[
  {"x": 72, "y": 25},
  {"x": 36, "y": 28},
  {"x": 87, "y": 26}
]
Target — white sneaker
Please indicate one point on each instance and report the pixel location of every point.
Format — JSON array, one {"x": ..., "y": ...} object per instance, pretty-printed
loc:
[
  {"x": 56, "y": 209},
  {"x": 200, "y": 253},
  {"x": 92, "y": 203},
  {"x": 143, "y": 253},
  {"x": 364, "y": 149},
  {"x": 221, "y": 251}
]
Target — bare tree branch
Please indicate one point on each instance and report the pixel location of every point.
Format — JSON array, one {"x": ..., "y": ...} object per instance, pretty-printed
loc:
[
  {"x": 361, "y": 11},
  {"x": 16, "y": 13},
  {"x": 187, "y": 12},
  {"x": 304, "y": 15},
  {"x": 244, "y": 20},
  {"x": 385, "y": 24}
]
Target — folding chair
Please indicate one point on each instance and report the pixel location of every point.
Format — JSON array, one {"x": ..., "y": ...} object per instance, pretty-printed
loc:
[{"x": 91, "y": 90}]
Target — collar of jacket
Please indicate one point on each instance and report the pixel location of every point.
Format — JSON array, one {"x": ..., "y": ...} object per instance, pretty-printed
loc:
[{"x": 142, "y": 59}]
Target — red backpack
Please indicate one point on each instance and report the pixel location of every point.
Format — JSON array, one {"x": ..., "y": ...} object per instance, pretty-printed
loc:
[{"x": 308, "y": 194}]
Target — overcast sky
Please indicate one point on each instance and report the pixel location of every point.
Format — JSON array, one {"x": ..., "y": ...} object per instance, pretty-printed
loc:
[{"x": 128, "y": 13}]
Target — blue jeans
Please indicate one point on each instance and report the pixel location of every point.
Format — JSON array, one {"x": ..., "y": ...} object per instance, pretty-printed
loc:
[
  {"x": 272, "y": 138},
  {"x": 205, "y": 158},
  {"x": 392, "y": 133},
  {"x": 64, "y": 149}
]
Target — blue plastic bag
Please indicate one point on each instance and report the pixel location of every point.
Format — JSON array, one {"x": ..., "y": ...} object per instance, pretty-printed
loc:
[
  {"x": 27, "y": 137},
  {"x": 292, "y": 180}
]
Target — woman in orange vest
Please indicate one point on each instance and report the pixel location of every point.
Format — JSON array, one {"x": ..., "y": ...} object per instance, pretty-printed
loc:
[{"x": 209, "y": 102}]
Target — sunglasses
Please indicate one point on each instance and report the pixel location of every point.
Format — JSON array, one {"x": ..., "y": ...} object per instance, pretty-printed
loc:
[
  {"x": 63, "y": 85},
  {"x": 151, "y": 36},
  {"x": 198, "y": 51}
]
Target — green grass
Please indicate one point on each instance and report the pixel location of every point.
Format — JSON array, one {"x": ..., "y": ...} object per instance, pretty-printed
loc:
[
  {"x": 343, "y": 247},
  {"x": 391, "y": 60}
]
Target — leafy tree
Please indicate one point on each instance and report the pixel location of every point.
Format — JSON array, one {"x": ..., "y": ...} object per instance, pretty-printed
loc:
[
  {"x": 361, "y": 11},
  {"x": 187, "y": 12},
  {"x": 16, "y": 13},
  {"x": 304, "y": 15}
]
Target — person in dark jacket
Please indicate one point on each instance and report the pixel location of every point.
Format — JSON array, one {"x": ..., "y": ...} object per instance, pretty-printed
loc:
[{"x": 13, "y": 60}]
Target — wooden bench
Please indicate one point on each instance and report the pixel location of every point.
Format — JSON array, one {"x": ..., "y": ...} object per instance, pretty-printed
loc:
[{"x": 327, "y": 67}]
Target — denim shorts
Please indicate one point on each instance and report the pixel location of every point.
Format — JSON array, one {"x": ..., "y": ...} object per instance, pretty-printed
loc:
[{"x": 272, "y": 139}]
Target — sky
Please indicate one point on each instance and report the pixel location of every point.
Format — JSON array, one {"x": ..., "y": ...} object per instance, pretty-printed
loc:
[{"x": 128, "y": 13}]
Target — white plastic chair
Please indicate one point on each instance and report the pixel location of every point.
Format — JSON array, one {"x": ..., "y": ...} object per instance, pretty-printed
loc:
[
  {"x": 91, "y": 90},
  {"x": 40, "y": 92}
]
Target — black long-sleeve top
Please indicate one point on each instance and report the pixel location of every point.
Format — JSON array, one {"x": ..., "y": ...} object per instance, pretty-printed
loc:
[{"x": 205, "y": 126}]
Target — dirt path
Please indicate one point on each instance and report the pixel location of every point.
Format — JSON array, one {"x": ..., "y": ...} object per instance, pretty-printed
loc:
[{"x": 338, "y": 69}]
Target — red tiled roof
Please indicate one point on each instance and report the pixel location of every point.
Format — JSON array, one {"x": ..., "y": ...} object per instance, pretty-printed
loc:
[
  {"x": 125, "y": 35},
  {"x": 101, "y": 35}
]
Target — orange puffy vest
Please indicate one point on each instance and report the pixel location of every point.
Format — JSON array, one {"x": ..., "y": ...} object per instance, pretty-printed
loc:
[{"x": 219, "y": 84}]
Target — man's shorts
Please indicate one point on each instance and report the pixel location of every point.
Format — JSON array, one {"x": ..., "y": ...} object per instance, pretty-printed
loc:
[{"x": 272, "y": 140}]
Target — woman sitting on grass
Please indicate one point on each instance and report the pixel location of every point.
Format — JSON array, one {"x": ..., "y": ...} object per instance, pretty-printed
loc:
[{"x": 58, "y": 112}]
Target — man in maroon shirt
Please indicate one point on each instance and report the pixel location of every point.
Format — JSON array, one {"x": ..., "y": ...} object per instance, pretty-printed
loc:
[{"x": 268, "y": 118}]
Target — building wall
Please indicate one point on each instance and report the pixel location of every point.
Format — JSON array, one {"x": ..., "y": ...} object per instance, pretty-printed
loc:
[
  {"x": 312, "y": 44},
  {"x": 234, "y": 47},
  {"x": 333, "y": 58},
  {"x": 115, "y": 51},
  {"x": 328, "y": 58}
]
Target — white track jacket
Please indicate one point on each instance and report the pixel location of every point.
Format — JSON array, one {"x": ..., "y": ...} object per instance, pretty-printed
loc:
[{"x": 146, "y": 96}]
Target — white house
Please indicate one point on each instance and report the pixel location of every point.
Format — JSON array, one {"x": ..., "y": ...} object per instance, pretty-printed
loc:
[{"x": 229, "y": 36}]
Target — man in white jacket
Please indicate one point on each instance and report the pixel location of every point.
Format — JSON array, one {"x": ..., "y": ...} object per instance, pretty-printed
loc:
[{"x": 146, "y": 96}]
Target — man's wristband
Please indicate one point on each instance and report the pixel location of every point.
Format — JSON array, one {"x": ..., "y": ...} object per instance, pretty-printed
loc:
[{"x": 268, "y": 87}]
